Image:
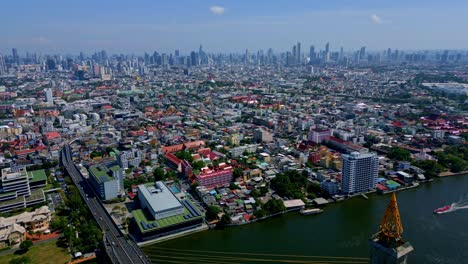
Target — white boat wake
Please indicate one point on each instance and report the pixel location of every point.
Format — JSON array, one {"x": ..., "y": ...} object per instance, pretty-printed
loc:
[{"x": 459, "y": 205}]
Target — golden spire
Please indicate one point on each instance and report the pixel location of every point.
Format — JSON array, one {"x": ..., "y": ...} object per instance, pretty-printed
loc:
[{"x": 390, "y": 226}]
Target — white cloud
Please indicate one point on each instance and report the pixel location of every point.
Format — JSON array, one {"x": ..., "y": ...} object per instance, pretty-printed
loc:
[
  {"x": 217, "y": 10},
  {"x": 376, "y": 19}
]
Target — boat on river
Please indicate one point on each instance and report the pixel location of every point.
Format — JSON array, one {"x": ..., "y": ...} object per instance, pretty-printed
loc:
[
  {"x": 310, "y": 211},
  {"x": 443, "y": 209}
]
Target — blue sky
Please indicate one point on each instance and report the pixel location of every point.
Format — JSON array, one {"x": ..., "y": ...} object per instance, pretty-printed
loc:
[{"x": 231, "y": 25}]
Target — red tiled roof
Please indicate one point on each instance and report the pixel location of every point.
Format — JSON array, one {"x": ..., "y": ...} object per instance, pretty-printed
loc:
[
  {"x": 52, "y": 135},
  {"x": 173, "y": 158},
  {"x": 25, "y": 151},
  {"x": 173, "y": 148}
]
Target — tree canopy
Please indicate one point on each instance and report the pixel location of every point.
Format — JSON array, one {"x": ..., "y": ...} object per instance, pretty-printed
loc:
[
  {"x": 274, "y": 206},
  {"x": 212, "y": 213},
  {"x": 400, "y": 154},
  {"x": 25, "y": 245},
  {"x": 159, "y": 174},
  {"x": 289, "y": 184}
]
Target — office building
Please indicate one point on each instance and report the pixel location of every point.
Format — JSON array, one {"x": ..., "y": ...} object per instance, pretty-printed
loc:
[
  {"x": 14, "y": 52},
  {"x": 214, "y": 177},
  {"x": 359, "y": 172},
  {"x": 329, "y": 186},
  {"x": 362, "y": 53},
  {"x": 163, "y": 212},
  {"x": 129, "y": 158},
  {"x": 298, "y": 57},
  {"x": 159, "y": 200},
  {"x": 312, "y": 53},
  {"x": 319, "y": 135},
  {"x": 3, "y": 68},
  {"x": 20, "y": 188},
  {"x": 107, "y": 180},
  {"x": 15, "y": 180},
  {"x": 262, "y": 136},
  {"x": 49, "y": 97}
]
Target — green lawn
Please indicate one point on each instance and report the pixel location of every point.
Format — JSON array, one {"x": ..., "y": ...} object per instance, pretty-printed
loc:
[{"x": 45, "y": 253}]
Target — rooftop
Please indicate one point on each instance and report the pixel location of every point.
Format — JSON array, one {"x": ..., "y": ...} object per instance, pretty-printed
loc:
[
  {"x": 37, "y": 175},
  {"x": 152, "y": 225},
  {"x": 159, "y": 197},
  {"x": 101, "y": 172},
  {"x": 10, "y": 173}
]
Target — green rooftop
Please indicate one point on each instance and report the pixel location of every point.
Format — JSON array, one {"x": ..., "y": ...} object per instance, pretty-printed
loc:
[
  {"x": 140, "y": 216},
  {"x": 99, "y": 172},
  {"x": 17, "y": 200},
  {"x": 35, "y": 195},
  {"x": 37, "y": 175}
]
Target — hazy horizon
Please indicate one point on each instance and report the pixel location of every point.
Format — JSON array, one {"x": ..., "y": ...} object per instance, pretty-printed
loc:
[{"x": 52, "y": 26}]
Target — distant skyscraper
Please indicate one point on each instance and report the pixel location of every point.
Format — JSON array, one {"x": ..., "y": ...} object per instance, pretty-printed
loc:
[
  {"x": 294, "y": 53},
  {"x": 3, "y": 69},
  {"x": 359, "y": 172},
  {"x": 327, "y": 47},
  {"x": 51, "y": 64},
  {"x": 164, "y": 59},
  {"x": 15, "y": 55},
  {"x": 298, "y": 53},
  {"x": 194, "y": 58},
  {"x": 103, "y": 56},
  {"x": 247, "y": 59},
  {"x": 176, "y": 53},
  {"x": 49, "y": 97},
  {"x": 340, "y": 58},
  {"x": 312, "y": 53},
  {"x": 362, "y": 53}
]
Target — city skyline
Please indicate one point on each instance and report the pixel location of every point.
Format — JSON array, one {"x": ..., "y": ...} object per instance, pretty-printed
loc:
[{"x": 227, "y": 26}]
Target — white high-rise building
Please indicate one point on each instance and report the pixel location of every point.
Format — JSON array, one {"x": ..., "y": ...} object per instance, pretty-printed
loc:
[
  {"x": 359, "y": 172},
  {"x": 3, "y": 68},
  {"x": 49, "y": 97}
]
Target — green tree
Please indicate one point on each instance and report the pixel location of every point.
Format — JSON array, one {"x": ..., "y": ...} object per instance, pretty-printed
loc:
[
  {"x": 289, "y": 184},
  {"x": 260, "y": 213},
  {"x": 212, "y": 213},
  {"x": 255, "y": 193},
  {"x": 400, "y": 154},
  {"x": 234, "y": 186},
  {"x": 274, "y": 206},
  {"x": 238, "y": 172},
  {"x": 171, "y": 174},
  {"x": 263, "y": 190},
  {"x": 431, "y": 167},
  {"x": 184, "y": 155},
  {"x": 20, "y": 260},
  {"x": 225, "y": 220},
  {"x": 25, "y": 245},
  {"x": 198, "y": 165},
  {"x": 159, "y": 174}
]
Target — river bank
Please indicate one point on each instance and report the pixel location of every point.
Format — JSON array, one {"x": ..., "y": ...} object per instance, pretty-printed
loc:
[
  {"x": 448, "y": 174},
  {"x": 343, "y": 229}
]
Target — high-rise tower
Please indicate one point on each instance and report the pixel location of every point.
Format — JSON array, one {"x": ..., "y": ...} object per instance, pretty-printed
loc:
[
  {"x": 360, "y": 171},
  {"x": 298, "y": 58},
  {"x": 49, "y": 96},
  {"x": 14, "y": 52},
  {"x": 387, "y": 246},
  {"x": 3, "y": 68}
]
